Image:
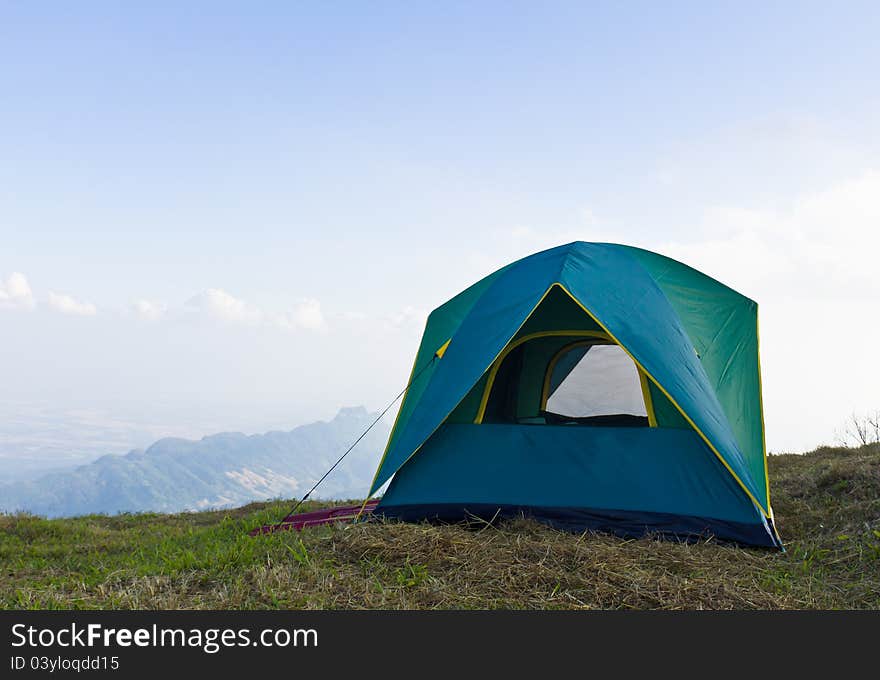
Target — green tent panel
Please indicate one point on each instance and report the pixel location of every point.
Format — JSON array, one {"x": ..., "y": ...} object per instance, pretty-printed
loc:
[{"x": 590, "y": 386}]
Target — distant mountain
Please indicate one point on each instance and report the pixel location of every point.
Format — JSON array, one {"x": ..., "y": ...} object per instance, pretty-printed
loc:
[{"x": 222, "y": 470}]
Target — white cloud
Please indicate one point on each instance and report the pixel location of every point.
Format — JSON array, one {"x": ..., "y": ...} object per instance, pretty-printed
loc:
[
  {"x": 409, "y": 319},
  {"x": 220, "y": 305},
  {"x": 147, "y": 310},
  {"x": 15, "y": 293},
  {"x": 306, "y": 314},
  {"x": 68, "y": 305},
  {"x": 825, "y": 246}
]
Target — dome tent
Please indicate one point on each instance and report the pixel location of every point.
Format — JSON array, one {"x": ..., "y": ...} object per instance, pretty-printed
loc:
[{"x": 589, "y": 386}]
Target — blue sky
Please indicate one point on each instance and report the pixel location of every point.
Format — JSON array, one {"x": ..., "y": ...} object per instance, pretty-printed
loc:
[{"x": 207, "y": 201}]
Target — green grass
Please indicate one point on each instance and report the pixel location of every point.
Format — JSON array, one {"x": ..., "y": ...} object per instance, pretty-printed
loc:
[{"x": 827, "y": 507}]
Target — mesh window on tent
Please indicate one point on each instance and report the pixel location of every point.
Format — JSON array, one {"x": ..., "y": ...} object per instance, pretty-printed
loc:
[{"x": 590, "y": 380}]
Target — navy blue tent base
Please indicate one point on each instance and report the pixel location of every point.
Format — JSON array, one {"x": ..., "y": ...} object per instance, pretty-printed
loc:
[{"x": 623, "y": 523}]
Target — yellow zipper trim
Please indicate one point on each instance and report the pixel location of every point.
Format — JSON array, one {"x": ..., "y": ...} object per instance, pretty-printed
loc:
[
  {"x": 646, "y": 395},
  {"x": 761, "y": 407}
]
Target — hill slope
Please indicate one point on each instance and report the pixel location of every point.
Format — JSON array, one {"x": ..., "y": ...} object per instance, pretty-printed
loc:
[
  {"x": 827, "y": 505},
  {"x": 222, "y": 470}
]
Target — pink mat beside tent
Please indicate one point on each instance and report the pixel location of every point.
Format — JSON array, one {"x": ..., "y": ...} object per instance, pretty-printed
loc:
[{"x": 339, "y": 513}]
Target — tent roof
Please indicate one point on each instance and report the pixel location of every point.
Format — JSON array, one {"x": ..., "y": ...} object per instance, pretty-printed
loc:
[{"x": 694, "y": 337}]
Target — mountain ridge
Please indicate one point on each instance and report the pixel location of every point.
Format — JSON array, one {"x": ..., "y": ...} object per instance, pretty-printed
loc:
[{"x": 217, "y": 471}]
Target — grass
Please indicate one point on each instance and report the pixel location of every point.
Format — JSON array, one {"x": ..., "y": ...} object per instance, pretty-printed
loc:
[{"x": 827, "y": 505}]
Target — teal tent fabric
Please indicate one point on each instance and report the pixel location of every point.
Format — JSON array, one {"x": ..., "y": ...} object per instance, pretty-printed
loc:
[
  {"x": 665, "y": 320},
  {"x": 625, "y": 480},
  {"x": 723, "y": 328},
  {"x": 624, "y": 468}
]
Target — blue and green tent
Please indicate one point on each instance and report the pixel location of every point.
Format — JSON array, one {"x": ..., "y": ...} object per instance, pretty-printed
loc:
[{"x": 589, "y": 386}]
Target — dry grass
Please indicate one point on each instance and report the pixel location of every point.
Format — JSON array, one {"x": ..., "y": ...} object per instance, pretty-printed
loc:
[{"x": 827, "y": 504}]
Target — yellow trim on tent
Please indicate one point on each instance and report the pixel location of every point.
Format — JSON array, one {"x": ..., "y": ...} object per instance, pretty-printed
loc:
[
  {"x": 674, "y": 403},
  {"x": 440, "y": 352},
  {"x": 481, "y": 411},
  {"x": 761, "y": 407},
  {"x": 646, "y": 395}
]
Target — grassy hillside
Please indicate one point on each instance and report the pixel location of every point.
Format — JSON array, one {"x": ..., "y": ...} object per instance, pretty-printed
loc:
[{"x": 827, "y": 504}]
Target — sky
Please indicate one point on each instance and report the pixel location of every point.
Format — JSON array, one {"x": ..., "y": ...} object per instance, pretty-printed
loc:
[{"x": 221, "y": 215}]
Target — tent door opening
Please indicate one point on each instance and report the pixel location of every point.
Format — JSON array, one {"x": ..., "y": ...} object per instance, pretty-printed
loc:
[{"x": 565, "y": 378}]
